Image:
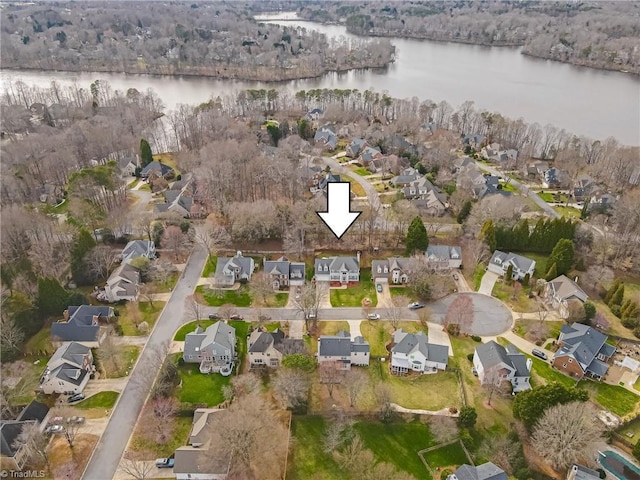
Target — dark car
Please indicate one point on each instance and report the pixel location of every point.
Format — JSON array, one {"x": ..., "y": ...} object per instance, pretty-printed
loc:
[
  {"x": 539, "y": 353},
  {"x": 164, "y": 462},
  {"x": 76, "y": 398},
  {"x": 213, "y": 316},
  {"x": 236, "y": 316},
  {"x": 416, "y": 305}
]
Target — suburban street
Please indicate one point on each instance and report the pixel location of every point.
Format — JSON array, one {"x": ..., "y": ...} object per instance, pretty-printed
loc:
[
  {"x": 106, "y": 456},
  {"x": 372, "y": 193}
]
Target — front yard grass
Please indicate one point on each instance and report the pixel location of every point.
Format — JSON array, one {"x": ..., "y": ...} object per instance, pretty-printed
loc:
[
  {"x": 135, "y": 313},
  {"x": 451, "y": 455},
  {"x": 379, "y": 334},
  {"x": 100, "y": 400},
  {"x": 217, "y": 298},
  {"x": 363, "y": 172},
  {"x": 478, "y": 273},
  {"x": 180, "y": 428},
  {"x": 612, "y": 397},
  {"x": 523, "y": 326},
  {"x": 568, "y": 211},
  {"x": 190, "y": 327},
  {"x": 504, "y": 292},
  {"x": 352, "y": 296},
  {"x": 120, "y": 367},
  {"x": 356, "y": 188},
  {"x": 210, "y": 266},
  {"x": 168, "y": 284},
  {"x": 332, "y": 327}
]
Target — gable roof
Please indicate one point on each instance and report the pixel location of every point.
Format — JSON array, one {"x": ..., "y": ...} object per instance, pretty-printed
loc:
[
  {"x": 260, "y": 341},
  {"x": 137, "y": 248},
  {"x": 443, "y": 252},
  {"x": 584, "y": 343},
  {"x": 337, "y": 264},
  {"x": 80, "y": 325},
  {"x": 392, "y": 263},
  {"x": 72, "y": 353},
  {"x": 486, "y": 471},
  {"x": 9, "y": 431},
  {"x": 410, "y": 342},
  {"x": 340, "y": 345},
  {"x": 563, "y": 287},
  {"x": 583, "y": 473},
  {"x": 492, "y": 354},
  {"x": 518, "y": 261},
  {"x": 158, "y": 167},
  {"x": 217, "y": 334},
  {"x": 34, "y": 411},
  {"x": 245, "y": 266}
]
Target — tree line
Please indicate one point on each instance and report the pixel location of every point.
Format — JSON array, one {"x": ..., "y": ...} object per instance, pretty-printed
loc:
[{"x": 523, "y": 237}]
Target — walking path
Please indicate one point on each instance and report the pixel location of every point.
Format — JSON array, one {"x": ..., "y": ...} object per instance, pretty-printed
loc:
[{"x": 443, "y": 413}]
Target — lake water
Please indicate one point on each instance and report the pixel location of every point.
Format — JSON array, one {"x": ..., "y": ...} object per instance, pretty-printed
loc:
[{"x": 584, "y": 101}]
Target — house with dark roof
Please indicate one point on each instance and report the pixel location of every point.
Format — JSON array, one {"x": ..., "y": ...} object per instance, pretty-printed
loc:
[
  {"x": 486, "y": 471},
  {"x": 494, "y": 363},
  {"x": 339, "y": 348},
  {"x": 406, "y": 177},
  {"x": 314, "y": 114},
  {"x": 157, "y": 169},
  {"x": 234, "y": 269},
  {"x": 338, "y": 270},
  {"x": 14, "y": 455},
  {"x": 138, "y": 248},
  {"x": 285, "y": 274},
  {"x": 601, "y": 202},
  {"x": 122, "y": 285},
  {"x": 326, "y": 137},
  {"x": 554, "y": 178},
  {"x": 68, "y": 370},
  {"x": 461, "y": 163},
  {"x": 214, "y": 348},
  {"x": 368, "y": 154},
  {"x": 388, "y": 164},
  {"x": 394, "y": 270},
  {"x": 266, "y": 349},
  {"x": 583, "y": 188},
  {"x": 443, "y": 257},
  {"x": 355, "y": 147},
  {"x": 82, "y": 324},
  {"x": 471, "y": 178},
  {"x": 412, "y": 352},
  {"x": 522, "y": 266},
  {"x": 578, "y": 472},
  {"x": 127, "y": 165},
  {"x": 474, "y": 141},
  {"x": 200, "y": 460},
  {"x": 560, "y": 291},
  {"x": 582, "y": 351},
  {"x": 180, "y": 201}
]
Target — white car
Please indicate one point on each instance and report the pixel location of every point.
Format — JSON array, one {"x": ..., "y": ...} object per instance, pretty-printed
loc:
[{"x": 373, "y": 316}]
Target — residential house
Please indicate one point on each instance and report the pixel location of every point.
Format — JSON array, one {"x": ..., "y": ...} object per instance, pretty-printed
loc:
[
  {"x": 473, "y": 141},
  {"x": 82, "y": 324},
  {"x": 554, "y": 178},
  {"x": 494, "y": 363},
  {"x": 326, "y": 137},
  {"x": 369, "y": 154},
  {"x": 486, "y": 471},
  {"x": 341, "y": 349},
  {"x": 582, "y": 351},
  {"x": 180, "y": 202},
  {"x": 387, "y": 164},
  {"x": 122, "y": 285},
  {"x": 394, "y": 270},
  {"x": 412, "y": 352},
  {"x": 355, "y": 147},
  {"x": 426, "y": 197},
  {"x": 406, "y": 177},
  {"x": 443, "y": 257},
  {"x": 601, "y": 202},
  {"x": 522, "y": 266},
  {"x": 398, "y": 144},
  {"x": 472, "y": 179},
  {"x": 578, "y": 472},
  {"x": 127, "y": 166},
  {"x": 12, "y": 455},
  {"x": 342, "y": 270},
  {"x": 534, "y": 170},
  {"x": 200, "y": 460},
  {"x": 138, "y": 248},
  {"x": 266, "y": 349},
  {"x": 496, "y": 153},
  {"x": 157, "y": 169},
  {"x": 284, "y": 273},
  {"x": 234, "y": 269},
  {"x": 560, "y": 291},
  {"x": 323, "y": 183},
  {"x": 583, "y": 189},
  {"x": 314, "y": 114},
  {"x": 214, "y": 348},
  {"x": 68, "y": 370},
  {"x": 461, "y": 163}
]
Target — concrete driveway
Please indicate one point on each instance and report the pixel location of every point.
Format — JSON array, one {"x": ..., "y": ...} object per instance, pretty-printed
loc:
[
  {"x": 384, "y": 297},
  {"x": 488, "y": 281},
  {"x": 438, "y": 336}
]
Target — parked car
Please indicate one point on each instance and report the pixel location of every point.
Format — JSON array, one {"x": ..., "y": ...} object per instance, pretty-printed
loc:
[
  {"x": 539, "y": 353},
  {"x": 54, "y": 429},
  {"x": 213, "y": 316},
  {"x": 56, "y": 420},
  {"x": 455, "y": 276},
  {"x": 236, "y": 316},
  {"x": 373, "y": 316},
  {"x": 474, "y": 371},
  {"x": 75, "y": 419},
  {"x": 76, "y": 398},
  {"x": 311, "y": 316},
  {"x": 164, "y": 462},
  {"x": 416, "y": 305},
  {"x": 379, "y": 288}
]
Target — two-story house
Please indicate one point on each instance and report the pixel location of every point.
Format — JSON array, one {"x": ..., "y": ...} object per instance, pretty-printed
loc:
[
  {"x": 326, "y": 137},
  {"x": 582, "y": 351},
  {"x": 338, "y": 270},
  {"x": 138, "y": 248},
  {"x": 412, "y": 352},
  {"x": 560, "y": 291},
  {"x": 157, "y": 169},
  {"x": 266, "y": 349},
  {"x": 68, "y": 370},
  {"x": 14, "y": 454},
  {"x": 122, "y": 285},
  {"x": 443, "y": 257},
  {"x": 284, "y": 273},
  {"x": 522, "y": 266},
  {"x": 578, "y": 472},
  {"x": 406, "y": 177},
  {"x": 82, "y": 324},
  {"x": 234, "y": 269},
  {"x": 394, "y": 270},
  {"x": 341, "y": 349},
  {"x": 494, "y": 363},
  {"x": 426, "y": 197},
  {"x": 355, "y": 147},
  {"x": 214, "y": 348}
]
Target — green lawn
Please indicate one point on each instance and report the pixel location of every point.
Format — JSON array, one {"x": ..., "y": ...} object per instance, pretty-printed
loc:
[
  {"x": 362, "y": 171},
  {"x": 210, "y": 266},
  {"x": 278, "y": 300},
  {"x": 633, "y": 427},
  {"x": 568, "y": 211},
  {"x": 242, "y": 330},
  {"x": 353, "y": 296},
  {"x": 397, "y": 444},
  {"x": 143, "y": 312},
  {"x": 190, "y": 327},
  {"x": 332, "y": 327},
  {"x": 379, "y": 333},
  {"x": 99, "y": 400},
  {"x": 307, "y": 459},
  {"x": 551, "y": 197},
  {"x": 400, "y": 292},
  {"x": 612, "y": 397},
  {"x": 541, "y": 262},
  {"x": 217, "y": 298},
  {"x": 508, "y": 187},
  {"x": 636, "y": 385},
  {"x": 504, "y": 292},
  {"x": 167, "y": 286},
  {"x": 478, "y": 273},
  {"x": 178, "y": 438},
  {"x": 448, "y": 456},
  {"x": 40, "y": 343},
  {"x": 523, "y": 326},
  {"x": 199, "y": 387},
  {"x": 127, "y": 356}
]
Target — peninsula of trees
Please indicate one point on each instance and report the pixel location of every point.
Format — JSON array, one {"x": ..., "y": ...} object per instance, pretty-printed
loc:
[{"x": 213, "y": 39}]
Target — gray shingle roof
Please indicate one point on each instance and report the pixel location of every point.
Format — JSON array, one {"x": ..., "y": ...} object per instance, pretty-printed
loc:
[
  {"x": 80, "y": 326},
  {"x": 71, "y": 352},
  {"x": 336, "y": 264},
  {"x": 584, "y": 473},
  {"x": 492, "y": 354},
  {"x": 34, "y": 411},
  {"x": 444, "y": 252},
  {"x": 260, "y": 341},
  {"x": 523, "y": 263},
  {"x": 334, "y": 346},
  {"x": 216, "y": 337},
  {"x": 486, "y": 471},
  {"x": 584, "y": 343},
  {"x": 408, "y": 342}
]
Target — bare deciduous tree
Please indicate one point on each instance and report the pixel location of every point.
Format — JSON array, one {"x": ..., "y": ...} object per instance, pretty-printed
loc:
[
  {"x": 71, "y": 429},
  {"x": 309, "y": 300},
  {"x": 193, "y": 308},
  {"x": 33, "y": 442},
  {"x": 136, "y": 466},
  {"x": 163, "y": 409},
  {"x": 291, "y": 387},
  {"x": 11, "y": 336},
  {"x": 567, "y": 433},
  {"x": 330, "y": 375},
  {"x": 355, "y": 382},
  {"x": 460, "y": 313},
  {"x": 261, "y": 287},
  {"x": 226, "y": 310},
  {"x": 100, "y": 260},
  {"x": 444, "y": 429},
  {"x": 397, "y": 310},
  {"x": 174, "y": 240},
  {"x": 501, "y": 450}
]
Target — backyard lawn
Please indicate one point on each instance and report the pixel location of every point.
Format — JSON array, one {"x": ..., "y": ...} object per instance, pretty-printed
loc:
[
  {"x": 353, "y": 296},
  {"x": 217, "y": 298},
  {"x": 307, "y": 458},
  {"x": 637, "y": 384},
  {"x": 99, "y": 400},
  {"x": 541, "y": 262},
  {"x": 612, "y": 397},
  {"x": 199, "y": 387},
  {"x": 40, "y": 343},
  {"x": 451, "y": 455},
  {"x": 632, "y": 428},
  {"x": 135, "y": 313}
]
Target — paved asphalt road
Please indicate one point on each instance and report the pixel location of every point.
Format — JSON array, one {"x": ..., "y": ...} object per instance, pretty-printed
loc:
[{"x": 106, "y": 457}]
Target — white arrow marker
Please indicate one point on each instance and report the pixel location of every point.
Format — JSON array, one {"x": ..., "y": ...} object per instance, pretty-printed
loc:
[{"x": 338, "y": 216}]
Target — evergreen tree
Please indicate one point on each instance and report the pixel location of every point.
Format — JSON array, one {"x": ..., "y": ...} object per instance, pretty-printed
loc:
[
  {"x": 562, "y": 256},
  {"x": 552, "y": 272},
  {"x": 146, "y": 157},
  {"x": 509, "y": 276},
  {"x": 275, "y": 133},
  {"x": 464, "y": 212},
  {"x": 83, "y": 244},
  {"x": 611, "y": 291},
  {"x": 52, "y": 297},
  {"x": 488, "y": 234},
  {"x": 526, "y": 280},
  {"x": 589, "y": 311},
  {"x": 521, "y": 236},
  {"x": 616, "y": 298},
  {"x": 417, "y": 239},
  {"x": 624, "y": 307}
]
